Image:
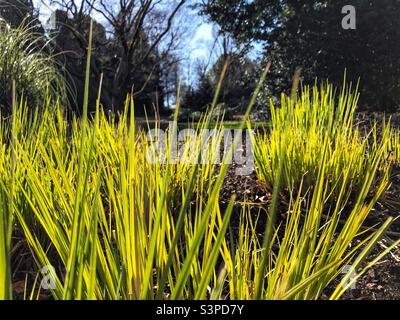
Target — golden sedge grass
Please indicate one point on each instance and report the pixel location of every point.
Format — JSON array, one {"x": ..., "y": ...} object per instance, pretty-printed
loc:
[
  {"x": 118, "y": 226},
  {"x": 305, "y": 127}
]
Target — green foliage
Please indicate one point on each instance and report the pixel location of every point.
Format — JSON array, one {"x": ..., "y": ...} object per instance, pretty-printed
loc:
[
  {"x": 122, "y": 227},
  {"x": 238, "y": 85},
  {"x": 309, "y": 34},
  {"x": 22, "y": 60},
  {"x": 307, "y": 127},
  {"x": 119, "y": 226}
]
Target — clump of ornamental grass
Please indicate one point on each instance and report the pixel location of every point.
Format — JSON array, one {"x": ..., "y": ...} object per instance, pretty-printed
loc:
[
  {"x": 118, "y": 226},
  {"x": 23, "y": 59},
  {"x": 314, "y": 246},
  {"x": 116, "y": 230},
  {"x": 112, "y": 216},
  {"x": 304, "y": 127}
]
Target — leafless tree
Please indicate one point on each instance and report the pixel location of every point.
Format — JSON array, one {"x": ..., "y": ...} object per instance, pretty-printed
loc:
[{"x": 139, "y": 29}]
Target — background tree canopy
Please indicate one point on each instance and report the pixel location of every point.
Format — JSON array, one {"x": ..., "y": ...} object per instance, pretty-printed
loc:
[
  {"x": 238, "y": 86},
  {"x": 309, "y": 34},
  {"x": 138, "y": 48}
]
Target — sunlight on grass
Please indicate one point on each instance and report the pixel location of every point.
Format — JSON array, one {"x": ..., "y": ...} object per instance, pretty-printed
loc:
[{"x": 91, "y": 201}]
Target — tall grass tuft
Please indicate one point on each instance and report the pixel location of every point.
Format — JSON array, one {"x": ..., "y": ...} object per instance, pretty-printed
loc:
[
  {"x": 313, "y": 247},
  {"x": 305, "y": 127},
  {"x": 23, "y": 60},
  {"x": 120, "y": 215}
]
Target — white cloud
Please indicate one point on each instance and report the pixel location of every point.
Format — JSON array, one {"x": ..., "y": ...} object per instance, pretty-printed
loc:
[{"x": 202, "y": 41}]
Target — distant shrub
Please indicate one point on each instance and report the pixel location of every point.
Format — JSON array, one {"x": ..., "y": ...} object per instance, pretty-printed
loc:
[{"x": 23, "y": 60}]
